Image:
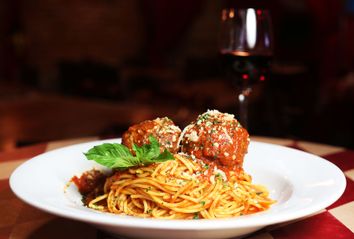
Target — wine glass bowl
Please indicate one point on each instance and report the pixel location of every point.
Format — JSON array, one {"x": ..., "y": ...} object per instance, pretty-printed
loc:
[
  {"x": 246, "y": 48},
  {"x": 248, "y": 31}
]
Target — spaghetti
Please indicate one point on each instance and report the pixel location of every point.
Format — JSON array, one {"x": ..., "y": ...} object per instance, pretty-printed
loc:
[
  {"x": 184, "y": 188},
  {"x": 204, "y": 180}
]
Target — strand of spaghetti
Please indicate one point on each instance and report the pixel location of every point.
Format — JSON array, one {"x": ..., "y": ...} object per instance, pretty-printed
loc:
[
  {"x": 205, "y": 214},
  {"x": 118, "y": 183},
  {"x": 128, "y": 191},
  {"x": 137, "y": 203},
  {"x": 143, "y": 174},
  {"x": 138, "y": 206},
  {"x": 150, "y": 185},
  {"x": 113, "y": 182},
  {"x": 160, "y": 194},
  {"x": 182, "y": 190},
  {"x": 169, "y": 166},
  {"x": 182, "y": 203},
  {"x": 174, "y": 206},
  {"x": 214, "y": 189},
  {"x": 230, "y": 205},
  {"x": 93, "y": 202},
  {"x": 236, "y": 197},
  {"x": 158, "y": 213},
  {"x": 144, "y": 183},
  {"x": 174, "y": 168},
  {"x": 114, "y": 201},
  {"x": 230, "y": 212},
  {"x": 156, "y": 181},
  {"x": 120, "y": 202},
  {"x": 189, "y": 198},
  {"x": 185, "y": 204},
  {"x": 213, "y": 205},
  {"x": 210, "y": 188},
  {"x": 127, "y": 208},
  {"x": 157, "y": 169},
  {"x": 140, "y": 196},
  {"x": 190, "y": 166},
  {"x": 146, "y": 206},
  {"x": 198, "y": 191}
]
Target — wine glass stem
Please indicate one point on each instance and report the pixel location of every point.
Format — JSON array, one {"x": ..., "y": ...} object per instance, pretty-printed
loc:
[{"x": 243, "y": 106}]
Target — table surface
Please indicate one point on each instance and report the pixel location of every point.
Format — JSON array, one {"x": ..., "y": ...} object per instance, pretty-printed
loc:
[{"x": 19, "y": 220}]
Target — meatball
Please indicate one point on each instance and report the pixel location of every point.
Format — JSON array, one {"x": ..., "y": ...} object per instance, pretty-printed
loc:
[
  {"x": 163, "y": 129},
  {"x": 216, "y": 137}
]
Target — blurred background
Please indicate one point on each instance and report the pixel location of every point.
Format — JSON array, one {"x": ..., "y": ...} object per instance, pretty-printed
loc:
[{"x": 84, "y": 68}]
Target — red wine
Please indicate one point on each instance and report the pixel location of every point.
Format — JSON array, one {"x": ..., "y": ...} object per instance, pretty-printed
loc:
[{"x": 245, "y": 69}]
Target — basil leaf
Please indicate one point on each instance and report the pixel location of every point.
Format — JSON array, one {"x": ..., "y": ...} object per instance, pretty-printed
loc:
[
  {"x": 139, "y": 151},
  {"x": 151, "y": 150},
  {"x": 107, "y": 154},
  {"x": 164, "y": 156},
  {"x": 118, "y": 156},
  {"x": 124, "y": 163}
]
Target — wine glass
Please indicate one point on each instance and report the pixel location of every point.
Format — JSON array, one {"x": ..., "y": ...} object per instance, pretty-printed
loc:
[{"x": 246, "y": 48}]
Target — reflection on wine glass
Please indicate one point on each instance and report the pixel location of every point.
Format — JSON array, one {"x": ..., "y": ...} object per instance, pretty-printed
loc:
[{"x": 246, "y": 48}]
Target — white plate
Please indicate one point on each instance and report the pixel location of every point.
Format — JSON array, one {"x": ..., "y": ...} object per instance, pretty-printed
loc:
[{"x": 302, "y": 184}]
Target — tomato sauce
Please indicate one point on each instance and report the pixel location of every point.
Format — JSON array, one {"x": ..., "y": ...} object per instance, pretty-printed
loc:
[{"x": 90, "y": 184}]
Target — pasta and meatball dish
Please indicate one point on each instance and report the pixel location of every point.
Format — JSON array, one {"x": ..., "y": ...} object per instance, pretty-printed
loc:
[{"x": 162, "y": 171}]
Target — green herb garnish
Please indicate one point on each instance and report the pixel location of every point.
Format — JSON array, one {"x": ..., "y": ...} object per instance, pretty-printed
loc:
[{"x": 118, "y": 156}]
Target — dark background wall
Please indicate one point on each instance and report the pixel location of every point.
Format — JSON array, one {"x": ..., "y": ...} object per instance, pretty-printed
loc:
[{"x": 164, "y": 54}]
